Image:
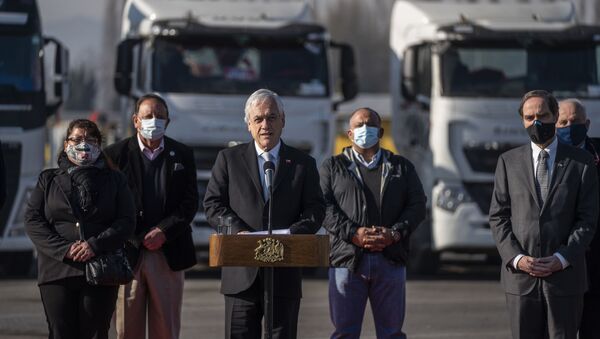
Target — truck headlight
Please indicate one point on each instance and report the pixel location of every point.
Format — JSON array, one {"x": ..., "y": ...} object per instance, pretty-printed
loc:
[
  {"x": 452, "y": 196},
  {"x": 17, "y": 227}
]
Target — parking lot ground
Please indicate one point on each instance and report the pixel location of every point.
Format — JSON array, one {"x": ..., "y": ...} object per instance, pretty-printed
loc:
[{"x": 457, "y": 303}]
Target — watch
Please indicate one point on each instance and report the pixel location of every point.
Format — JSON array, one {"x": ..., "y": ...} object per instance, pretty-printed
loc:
[{"x": 396, "y": 235}]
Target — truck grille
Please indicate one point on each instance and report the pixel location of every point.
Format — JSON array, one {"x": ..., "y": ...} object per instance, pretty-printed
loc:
[
  {"x": 482, "y": 157},
  {"x": 12, "y": 163},
  {"x": 481, "y": 194}
]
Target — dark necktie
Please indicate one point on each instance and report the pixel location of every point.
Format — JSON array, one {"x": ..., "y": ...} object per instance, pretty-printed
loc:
[{"x": 542, "y": 177}]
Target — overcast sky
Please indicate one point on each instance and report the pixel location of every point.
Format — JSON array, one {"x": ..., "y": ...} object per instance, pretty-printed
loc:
[{"x": 77, "y": 23}]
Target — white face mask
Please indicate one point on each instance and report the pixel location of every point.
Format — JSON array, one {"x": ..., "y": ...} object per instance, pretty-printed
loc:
[{"x": 152, "y": 129}]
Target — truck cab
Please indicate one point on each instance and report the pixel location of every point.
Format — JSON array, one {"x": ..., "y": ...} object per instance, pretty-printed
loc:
[
  {"x": 206, "y": 57},
  {"x": 458, "y": 73},
  {"x": 33, "y": 75}
]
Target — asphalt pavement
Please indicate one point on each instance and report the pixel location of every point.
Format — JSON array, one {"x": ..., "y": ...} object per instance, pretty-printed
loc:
[{"x": 463, "y": 302}]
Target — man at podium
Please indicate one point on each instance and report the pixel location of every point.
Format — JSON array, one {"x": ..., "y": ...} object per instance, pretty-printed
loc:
[
  {"x": 374, "y": 201},
  {"x": 237, "y": 192}
]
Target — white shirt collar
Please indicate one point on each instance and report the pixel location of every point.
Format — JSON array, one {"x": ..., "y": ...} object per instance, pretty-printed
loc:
[
  {"x": 143, "y": 147},
  {"x": 274, "y": 152},
  {"x": 551, "y": 149},
  {"x": 368, "y": 164}
]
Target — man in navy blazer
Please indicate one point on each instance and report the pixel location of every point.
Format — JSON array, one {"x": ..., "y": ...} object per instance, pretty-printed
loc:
[{"x": 236, "y": 190}]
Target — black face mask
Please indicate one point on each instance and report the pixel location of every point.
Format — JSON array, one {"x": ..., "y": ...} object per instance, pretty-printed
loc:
[{"x": 540, "y": 132}]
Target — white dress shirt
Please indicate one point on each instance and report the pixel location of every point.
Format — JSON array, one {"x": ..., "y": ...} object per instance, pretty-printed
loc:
[
  {"x": 274, "y": 152},
  {"x": 535, "y": 152}
]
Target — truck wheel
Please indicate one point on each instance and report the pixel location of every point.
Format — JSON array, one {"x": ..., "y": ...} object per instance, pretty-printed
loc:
[
  {"x": 424, "y": 261},
  {"x": 422, "y": 258},
  {"x": 17, "y": 264}
]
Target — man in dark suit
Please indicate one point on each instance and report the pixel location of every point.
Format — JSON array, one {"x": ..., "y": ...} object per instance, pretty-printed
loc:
[
  {"x": 543, "y": 216},
  {"x": 571, "y": 129},
  {"x": 162, "y": 176},
  {"x": 2, "y": 179},
  {"x": 236, "y": 190}
]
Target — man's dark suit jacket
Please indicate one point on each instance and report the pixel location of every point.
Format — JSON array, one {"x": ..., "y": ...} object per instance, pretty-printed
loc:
[
  {"x": 564, "y": 224},
  {"x": 2, "y": 179},
  {"x": 593, "y": 254},
  {"x": 235, "y": 190},
  {"x": 181, "y": 201}
]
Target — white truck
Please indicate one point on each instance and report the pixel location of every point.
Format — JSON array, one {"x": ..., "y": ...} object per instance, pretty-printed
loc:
[
  {"x": 206, "y": 57},
  {"x": 458, "y": 71},
  {"x": 33, "y": 76}
]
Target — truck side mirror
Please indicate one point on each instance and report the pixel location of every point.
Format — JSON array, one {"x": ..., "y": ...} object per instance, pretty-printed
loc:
[
  {"x": 59, "y": 78},
  {"x": 409, "y": 74},
  {"x": 124, "y": 67},
  {"x": 349, "y": 81},
  {"x": 348, "y": 73}
]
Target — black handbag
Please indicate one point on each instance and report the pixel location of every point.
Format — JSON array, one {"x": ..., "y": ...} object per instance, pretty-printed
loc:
[{"x": 107, "y": 269}]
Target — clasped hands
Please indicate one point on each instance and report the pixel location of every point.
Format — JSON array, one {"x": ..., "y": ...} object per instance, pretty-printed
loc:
[
  {"x": 154, "y": 239},
  {"x": 539, "y": 267},
  {"x": 80, "y": 251},
  {"x": 374, "y": 238}
]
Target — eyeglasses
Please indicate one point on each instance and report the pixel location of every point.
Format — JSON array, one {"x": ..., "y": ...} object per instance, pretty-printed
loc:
[{"x": 79, "y": 140}]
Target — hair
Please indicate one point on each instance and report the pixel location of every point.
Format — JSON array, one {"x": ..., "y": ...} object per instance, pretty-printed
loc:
[
  {"x": 549, "y": 99},
  {"x": 150, "y": 96},
  {"x": 258, "y": 97},
  {"x": 579, "y": 108},
  {"x": 370, "y": 110},
  {"x": 89, "y": 126}
]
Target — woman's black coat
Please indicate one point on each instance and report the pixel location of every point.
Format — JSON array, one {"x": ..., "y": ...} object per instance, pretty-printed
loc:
[{"x": 52, "y": 226}]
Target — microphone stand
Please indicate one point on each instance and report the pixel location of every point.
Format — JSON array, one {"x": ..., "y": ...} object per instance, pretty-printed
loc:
[{"x": 268, "y": 274}]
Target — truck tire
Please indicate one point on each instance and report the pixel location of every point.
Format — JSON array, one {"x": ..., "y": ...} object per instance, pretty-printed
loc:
[
  {"x": 17, "y": 264},
  {"x": 422, "y": 258},
  {"x": 424, "y": 261}
]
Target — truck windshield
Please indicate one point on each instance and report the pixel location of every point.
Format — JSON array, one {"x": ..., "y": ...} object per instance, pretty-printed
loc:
[
  {"x": 20, "y": 67},
  {"x": 240, "y": 66},
  {"x": 497, "y": 71}
]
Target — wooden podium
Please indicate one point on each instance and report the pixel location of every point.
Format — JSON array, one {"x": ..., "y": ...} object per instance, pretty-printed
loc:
[{"x": 276, "y": 250}]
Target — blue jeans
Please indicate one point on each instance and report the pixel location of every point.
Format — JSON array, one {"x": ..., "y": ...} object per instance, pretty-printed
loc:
[{"x": 383, "y": 283}]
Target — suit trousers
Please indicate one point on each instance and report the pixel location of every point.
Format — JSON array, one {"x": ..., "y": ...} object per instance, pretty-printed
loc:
[
  {"x": 76, "y": 310},
  {"x": 244, "y": 313},
  {"x": 538, "y": 315},
  {"x": 590, "y": 321},
  {"x": 155, "y": 294}
]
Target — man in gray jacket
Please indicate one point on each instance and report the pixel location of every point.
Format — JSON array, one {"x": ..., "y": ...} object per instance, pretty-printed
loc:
[
  {"x": 543, "y": 216},
  {"x": 374, "y": 201}
]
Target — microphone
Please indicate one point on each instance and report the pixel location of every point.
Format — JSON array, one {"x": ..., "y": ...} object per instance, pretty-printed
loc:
[{"x": 269, "y": 168}]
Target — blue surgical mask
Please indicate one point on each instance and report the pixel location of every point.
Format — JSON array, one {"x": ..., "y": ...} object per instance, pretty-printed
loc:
[
  {"x": 152, "y": 129},
  {"x": 572, "y": 135},
  {"x": 366, "y": 136}
]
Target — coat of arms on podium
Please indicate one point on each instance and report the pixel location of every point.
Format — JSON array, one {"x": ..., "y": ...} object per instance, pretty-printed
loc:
[{"x": 269, "y": 250}]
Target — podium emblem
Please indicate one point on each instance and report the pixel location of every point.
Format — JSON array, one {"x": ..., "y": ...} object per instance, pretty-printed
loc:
[{"x": 269, "y": 250}]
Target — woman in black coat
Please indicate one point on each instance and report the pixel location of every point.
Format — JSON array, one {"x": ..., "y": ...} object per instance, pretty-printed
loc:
[{"x": 83, "y": 194}]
